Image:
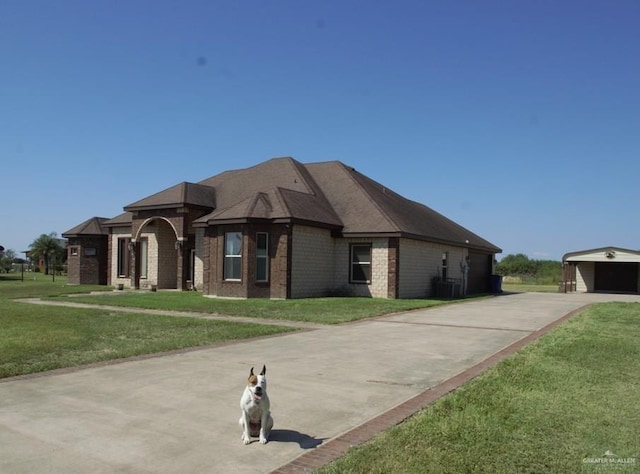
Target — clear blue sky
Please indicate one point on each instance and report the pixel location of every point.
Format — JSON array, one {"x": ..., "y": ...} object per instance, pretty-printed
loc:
[{"x": 520, "y": 120}]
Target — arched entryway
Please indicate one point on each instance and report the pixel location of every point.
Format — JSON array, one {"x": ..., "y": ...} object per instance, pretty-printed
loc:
[{"x": 157, "y": 255}]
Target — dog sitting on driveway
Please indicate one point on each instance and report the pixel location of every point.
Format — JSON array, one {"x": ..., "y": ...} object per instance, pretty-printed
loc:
[{"x": 256, "y": 417}]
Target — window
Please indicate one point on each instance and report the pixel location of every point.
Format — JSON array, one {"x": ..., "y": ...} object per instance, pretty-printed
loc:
[
  {"x": 360, "y": 263},
  {"x": 262, "y": 256},
  {"x": 233, "y": 256},
  {"x": 123, "y": 257},
  {"x": 144, "y": 257},
  {"x": 90, "y": 252},
  {"x": 73, "y": 251}
]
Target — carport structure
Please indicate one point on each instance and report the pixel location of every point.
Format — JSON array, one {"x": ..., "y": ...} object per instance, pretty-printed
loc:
[{"x": 605, "y": 270}]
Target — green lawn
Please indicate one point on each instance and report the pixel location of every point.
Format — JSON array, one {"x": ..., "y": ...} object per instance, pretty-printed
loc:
[
  {"x": 556, "y": 406},
  {"x": 36, "y": 284},
  {"x": 39, "y": 338},
  {"x": 319, "y": 310}
]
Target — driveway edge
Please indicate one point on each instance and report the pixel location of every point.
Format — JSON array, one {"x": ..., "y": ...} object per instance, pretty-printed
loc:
[{"x": 338, "y": 446}]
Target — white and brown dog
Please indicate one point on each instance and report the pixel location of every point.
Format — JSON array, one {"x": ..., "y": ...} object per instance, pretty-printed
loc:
[{"x": 256, "y": 417}]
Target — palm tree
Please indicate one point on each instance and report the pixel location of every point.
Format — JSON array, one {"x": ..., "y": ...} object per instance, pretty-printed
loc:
[{"x": 46, "y": 247}]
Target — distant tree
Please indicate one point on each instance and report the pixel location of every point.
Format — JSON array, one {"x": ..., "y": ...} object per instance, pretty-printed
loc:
[
  {"x": 47, "y": 248},
  {"x": 519, "y": 265},
  {"x": 516, "y": 265},
  {"x": 6, "y": 261}
]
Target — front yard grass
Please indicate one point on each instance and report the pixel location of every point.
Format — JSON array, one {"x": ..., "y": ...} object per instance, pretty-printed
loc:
[
  {"x": 566, "y": 403},
  {"x": 39, "y": 338},
  {"x": 319, "y": 310}
]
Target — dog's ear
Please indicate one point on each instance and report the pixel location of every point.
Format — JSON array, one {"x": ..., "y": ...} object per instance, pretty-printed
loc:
[
  {"x": 264, "y": 370},
  {"x": 251, "y": 373}
]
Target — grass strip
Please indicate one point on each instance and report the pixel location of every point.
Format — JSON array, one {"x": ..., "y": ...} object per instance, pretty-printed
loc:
[
  {"x": 319, "y": 310},
  {"x": 566, "y": 403},
  {"x": 39, "y": 338}
]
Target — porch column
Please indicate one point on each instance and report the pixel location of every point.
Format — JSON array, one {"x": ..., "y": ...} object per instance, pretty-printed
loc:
[{"x": 182, "y": 266}]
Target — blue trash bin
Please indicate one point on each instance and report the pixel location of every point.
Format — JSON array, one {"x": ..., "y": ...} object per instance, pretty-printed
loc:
[{"x": 496, "y": 284}]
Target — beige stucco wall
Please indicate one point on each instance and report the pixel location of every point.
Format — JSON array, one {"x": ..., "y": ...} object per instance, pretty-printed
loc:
[
  {"x": 585, "y": 277},
  {"x": 421, "y": 261}
]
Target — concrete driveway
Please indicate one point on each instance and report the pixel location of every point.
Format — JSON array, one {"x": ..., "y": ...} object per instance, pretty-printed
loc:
[{"x": 179, "y": 412}]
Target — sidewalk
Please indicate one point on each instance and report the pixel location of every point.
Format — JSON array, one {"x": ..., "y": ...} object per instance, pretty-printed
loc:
[{"x": 179, "y": 413}]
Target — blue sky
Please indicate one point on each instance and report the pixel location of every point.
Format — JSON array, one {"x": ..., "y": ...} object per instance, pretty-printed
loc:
[{"x": 520, "y": 120}]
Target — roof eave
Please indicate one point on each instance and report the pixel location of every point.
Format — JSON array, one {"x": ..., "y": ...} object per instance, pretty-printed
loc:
[
  {"x": 262, "y": 220},
  {"x": 157, "y": 207},
  {"x": 424, "y": 238}
]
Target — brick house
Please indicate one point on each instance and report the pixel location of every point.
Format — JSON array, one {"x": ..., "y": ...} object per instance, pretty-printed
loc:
[{"x": 281, "y": 229}]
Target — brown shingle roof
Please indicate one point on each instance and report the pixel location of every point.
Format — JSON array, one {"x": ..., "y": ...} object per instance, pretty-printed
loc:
[
  {"x": 180, "y": 195},
  {"x": 123, "y": 219},
  {"x": 368, "y": 207},
  {"x": 280, "y": 188},
  {"x": 328, "y": 194},
  {"x": 92, "y": 226}
]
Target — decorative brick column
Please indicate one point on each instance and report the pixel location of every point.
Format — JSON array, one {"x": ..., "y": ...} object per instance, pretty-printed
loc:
[{"x": 393, "y": 267}]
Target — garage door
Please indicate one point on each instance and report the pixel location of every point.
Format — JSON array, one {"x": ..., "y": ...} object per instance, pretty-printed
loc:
[
  {"x": 616, "y": 277},
  {"x": 479, "y": 276}
]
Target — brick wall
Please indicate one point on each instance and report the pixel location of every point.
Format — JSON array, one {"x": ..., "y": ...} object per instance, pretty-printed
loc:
[
  {"x": 166, "y": 255},
  {"x": 87, "y": 260},
  {"x": 152, "y": 257},
  {"x": 379, "y": 286},
  {"x": 198, "y": 270},
  {"x": 312, "y": 263},
  {"x": 117, "y": 233},
  {"x": 210, "y": 254},
  {"x": 420, "y": 262}
]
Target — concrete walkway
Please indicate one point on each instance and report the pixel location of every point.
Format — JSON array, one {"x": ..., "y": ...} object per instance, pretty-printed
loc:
[{"x": 179, "y": 412}]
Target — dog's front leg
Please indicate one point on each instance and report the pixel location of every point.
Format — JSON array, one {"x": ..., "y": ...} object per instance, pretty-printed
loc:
[
  {"x": 244, "y": 421},
  {"x": 264, "y": 427}
]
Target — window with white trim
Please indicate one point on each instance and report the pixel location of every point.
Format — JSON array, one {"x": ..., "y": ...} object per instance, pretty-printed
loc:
[
  {"x": 233, "y": 256},
  {"x": 124, "y": 257},
  {"x": 360, "y": 268},
  {"x": 262, "y": 257}
]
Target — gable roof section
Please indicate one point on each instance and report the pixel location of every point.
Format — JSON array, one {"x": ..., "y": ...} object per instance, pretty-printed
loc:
[
  {"x": 278, "y": 189},
  {"x": 258, "y": 206},
  {"x": 181, "y": 195},
  {"x": 92, "y": 226},
  {"x": 603, "y": 254},
  {"x": 121, "y": 220},
  {"x": 367, "y": 207}
]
